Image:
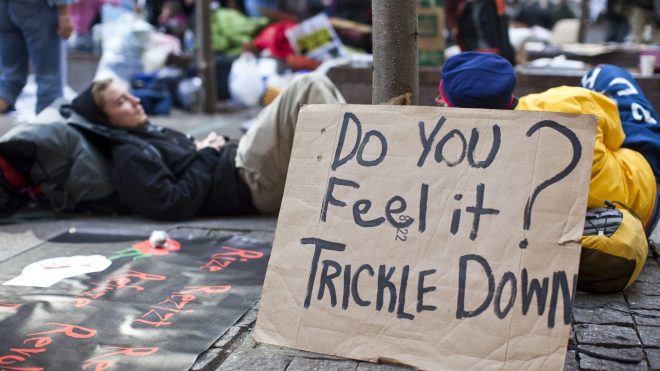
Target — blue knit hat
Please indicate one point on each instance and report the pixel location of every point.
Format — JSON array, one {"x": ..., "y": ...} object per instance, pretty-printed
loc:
[{"x": 478, "y": 80}]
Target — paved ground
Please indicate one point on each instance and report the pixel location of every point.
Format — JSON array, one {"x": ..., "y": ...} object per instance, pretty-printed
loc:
[{"x": 609, "y": 332}]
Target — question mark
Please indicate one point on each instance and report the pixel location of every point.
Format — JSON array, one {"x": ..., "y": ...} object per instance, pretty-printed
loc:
[{"x": 577, "y": 153}]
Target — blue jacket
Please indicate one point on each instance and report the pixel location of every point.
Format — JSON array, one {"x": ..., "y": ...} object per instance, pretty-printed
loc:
[{"x": 639, "y": 119}]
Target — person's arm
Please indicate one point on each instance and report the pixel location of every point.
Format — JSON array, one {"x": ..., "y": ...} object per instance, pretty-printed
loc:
[
  {"x": 213, "y": 140},
  {"x": 150, "y": 189},
  {"x": 64, "y": 25}
]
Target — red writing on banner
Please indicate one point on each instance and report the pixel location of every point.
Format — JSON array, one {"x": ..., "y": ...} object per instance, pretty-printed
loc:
[
  {"x": 101, "y": 362},
  {"x": 37, "y": 342},
  {"x": 122, "y": 281},
  {"x": 229, "y": 255},
  {"x": 160, "y": 314}
]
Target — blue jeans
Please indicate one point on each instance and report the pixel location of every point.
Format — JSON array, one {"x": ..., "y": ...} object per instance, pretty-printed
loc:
[{"x": 28, "y": 33}]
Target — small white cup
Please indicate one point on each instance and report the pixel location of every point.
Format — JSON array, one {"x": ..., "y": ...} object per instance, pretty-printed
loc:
[{"x": 646, "y": 65}]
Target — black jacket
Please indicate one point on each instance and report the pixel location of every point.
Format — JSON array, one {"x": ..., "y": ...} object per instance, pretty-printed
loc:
[{"x": 159, "y": 174}]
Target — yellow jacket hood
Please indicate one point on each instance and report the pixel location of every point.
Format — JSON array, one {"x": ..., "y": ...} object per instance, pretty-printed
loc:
[{"x": 617, "y": 174}]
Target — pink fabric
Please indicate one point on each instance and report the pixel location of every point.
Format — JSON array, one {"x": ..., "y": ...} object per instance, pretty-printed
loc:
[{"x": 84, "y": 12}]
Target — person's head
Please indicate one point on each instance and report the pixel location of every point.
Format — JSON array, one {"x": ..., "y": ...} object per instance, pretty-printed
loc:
[
  {"x": 171, "y": 8},
  {"x": 107, "y": 102},
  {"x": 477, "y": 80},
  {"x": 120, "y": 107}
]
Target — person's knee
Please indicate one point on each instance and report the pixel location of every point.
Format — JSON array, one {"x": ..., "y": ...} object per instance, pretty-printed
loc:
[
  {"x": 311, "y": 80},
  {"x": 313, "y": 88},
  {"x": 303, "y": 81}
]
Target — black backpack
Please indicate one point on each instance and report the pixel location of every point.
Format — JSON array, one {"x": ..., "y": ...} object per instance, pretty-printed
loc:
[{"x": 53, "y": 154}]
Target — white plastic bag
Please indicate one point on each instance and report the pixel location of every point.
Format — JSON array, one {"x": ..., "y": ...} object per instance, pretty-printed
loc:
[
  {"x": 246, "y": 84},
  {"x": 125, "y": 36}
]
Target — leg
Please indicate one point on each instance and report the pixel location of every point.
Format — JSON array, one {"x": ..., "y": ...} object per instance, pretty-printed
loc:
[
  {"x": 264, "y": 152},
  {"x": 13, "y": 58},
  {"x": 39, "y": 23}
]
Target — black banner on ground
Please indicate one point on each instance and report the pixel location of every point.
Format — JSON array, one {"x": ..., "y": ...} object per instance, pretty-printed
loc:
[{"x": 97, "y": 302}]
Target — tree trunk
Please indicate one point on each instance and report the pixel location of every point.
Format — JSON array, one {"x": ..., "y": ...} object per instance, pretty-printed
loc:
[
  {"x": 395, "y": 71},
  {"x": 205, "y": 56},
  {"x": 584, "y": 21}
]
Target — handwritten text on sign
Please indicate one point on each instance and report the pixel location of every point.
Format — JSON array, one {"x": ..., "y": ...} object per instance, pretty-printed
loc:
[{"x": 444, "y": 219}]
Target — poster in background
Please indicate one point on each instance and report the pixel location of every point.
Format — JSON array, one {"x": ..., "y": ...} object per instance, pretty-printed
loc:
[
  {"x": 316, "y": 38},
  {"x": 431, "y": 26},
  {"x": 432, "y": 237},
  {"x": 93, "y": 302}
]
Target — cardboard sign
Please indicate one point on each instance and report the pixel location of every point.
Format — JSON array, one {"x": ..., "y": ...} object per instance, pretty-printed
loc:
[{"x": 433, "y": 237}]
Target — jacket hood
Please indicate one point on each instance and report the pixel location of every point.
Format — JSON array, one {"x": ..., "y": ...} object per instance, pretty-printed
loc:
[
  {"x": 618, "y": 84},
  {"x": 85, "y": 106},
  {"x": 617, "y": 174},
  {"x": 640, "y": 120},
  {"x": 571, "y": 99}
]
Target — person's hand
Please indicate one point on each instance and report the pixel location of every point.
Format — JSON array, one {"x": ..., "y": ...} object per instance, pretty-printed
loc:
[
  {"x": 64, "y": 26},
  {"x": 213, "y": 140}
]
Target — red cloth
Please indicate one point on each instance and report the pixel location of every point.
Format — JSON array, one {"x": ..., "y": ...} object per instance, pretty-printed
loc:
[
  {"x": 13, "y": 177},
  {"x": 273, "y": 38}
]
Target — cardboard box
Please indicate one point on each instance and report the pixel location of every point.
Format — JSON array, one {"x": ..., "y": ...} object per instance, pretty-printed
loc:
[{"x": 431, "y": 26}]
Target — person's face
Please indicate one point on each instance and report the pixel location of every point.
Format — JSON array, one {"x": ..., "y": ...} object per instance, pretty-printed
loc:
[{"x": 122, "y": 108}]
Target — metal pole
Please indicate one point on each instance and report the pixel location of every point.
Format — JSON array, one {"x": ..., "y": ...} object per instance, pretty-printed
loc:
[
  {"x": 395, "y": 71},
  {"x": 205, "y": 56}
]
